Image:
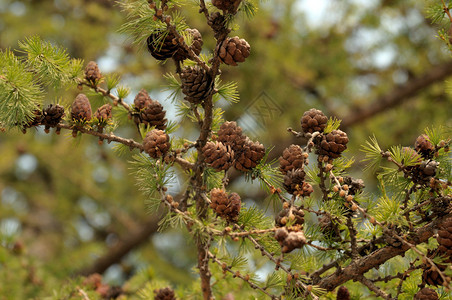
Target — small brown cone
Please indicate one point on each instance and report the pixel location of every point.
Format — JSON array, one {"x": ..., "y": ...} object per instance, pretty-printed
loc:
[
  {"x": 290, "y": 240},
  {"x": 426, "y": 294},
  {"x": 52, "y": 115},
  {"x": 445, "y": 240},
  {"x": 293, "y": 181},
  {"x": 103, "y": 113},
  {"x": 231, "y": 135},
  {"x": 333, "y": 144},
  {"x": 141, "y": 100},
  {"x": 313, "y": 120},
  {"x": 196, "y": 45},
  {"x": 250, "y": 155},
  {"x": 81, "y": 109},
  {"x": 432, "y": 277},
  {"x": 164, "y": 294},
  {"x": 92, "y": 73},
  {"x": 234, "y": 50},
  {"x": 161, "y": 46},
  {"x": 156, "y": 143},
  {"x": 292, "y": 158},
  {"x": 218, "y": 156},
  {"x": 294, "y": 216},
  {"x": 424, "y": 146},
  {"x": 217, "y": 21},
  {"x": 343, "y": 293},
  {"x": 226, "y": 207},
  {"x": 229, "y": 6},
  {"x": 153, "y": 115},
  {"x": 197, "y": 84}
]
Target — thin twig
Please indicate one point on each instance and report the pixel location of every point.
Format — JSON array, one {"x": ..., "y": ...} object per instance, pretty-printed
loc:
[{"x": 373, "y": 287}]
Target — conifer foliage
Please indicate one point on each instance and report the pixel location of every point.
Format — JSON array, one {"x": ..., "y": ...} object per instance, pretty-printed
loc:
[{"x": 327, "y": 231}]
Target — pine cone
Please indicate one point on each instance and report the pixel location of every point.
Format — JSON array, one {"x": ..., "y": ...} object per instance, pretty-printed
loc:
[
  {"x": 250, "y": 155},
  {"x": 442, "y": 205},
  {"x": 445, "y": 240},
  {"x": 141, "y": 100},
  {"x": 226, "y": 207},
  {"x": 293, "y": 180},
  {"x": 426, "y": 294},
  {"x": 354, "y": 185},
  {"x": 333, "y": 144},
  {"x": 164, "y": 294},
  {"x": 161, "y": 45},
  {"x": 313, "y": 120},
  {"x": 197, "y": 85},
  {"x": 231, "y": 135},
  {"x": 103, "y": 113},
  {"x": 217, "y": 21},
  {"x": 52, "y": 116},
  {"x": 234, "y": 50},
  {"x": 432, "y": 277},
  {"x": 92, "y": 73},
  {"x": 289, "y": 240},
  {"x": 218, "y": 156},
  {"x": 81, "y": 109},
  {"x": 153, "y": 115},
  {"x": 230, "y": 6},
  {"x": 428, "y": 168},
  {"x": 343, "y": 293},
  {"x": 292, "y": 158},
  {"x": 424, "y": 146},
  {"x": 156, "y": 143},
  {"x": 286, "y": 215},
  {"x": 196, "y": 45}
]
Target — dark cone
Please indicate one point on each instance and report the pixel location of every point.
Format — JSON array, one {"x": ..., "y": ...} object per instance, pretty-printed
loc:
[
  {"x": 428, "y": 168},
  {"x": 234, "y": 50},
  {"x": 197, "y": 85},
  {"x": 250, "y": 155},
  {"x": 231, "y": 135},
  {"x": 52, "y": 115},
  {"x": 445, "y": 240},
  {"x": 103, "y": 113},
  {"x": 293, "y": 181},
  {"x": 81, "y": 109},
  {"x": 333, "y": 144},
  {"x": 426, "y": 294},
  {"x": 227, "y": 5},
  {"x": 92, "y": 73},
  {"x": 218, "y": 156},
  {"x": 196, "y": 45},
  {"x": 226, "y": 207},
  {"x": 294, "y": 216},
  {"x": 442, "y": 205},
  {"x": 432, "y": 277},
  {"x": 164, "y": 294},
  {"x": 290, "y": 240},
  {"x": 355, "y": 186},
  {"x": 141, "y": 100},
  {"x": 424, "y": 147},
  {"x": 217, "y": 21},
  {"x": 156, "y": 143},
  {"x": 343, "y": 293},
  {"x": 313, "y": 120},
  {"x": 292, "y": 158},
  {"x": 153, "y": 115},
  {"x": 161, "y": 45}
]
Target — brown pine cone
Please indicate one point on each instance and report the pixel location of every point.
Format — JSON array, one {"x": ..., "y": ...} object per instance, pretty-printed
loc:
[
  {"x": 250, "y": 155},
  {"x": 234, "y": 50},
  {"x": 293, "y": 181},
  {"x": 197, "y": 84},
  {"x": 333, "y": 144},
  {"x": 292, "y": 158},
  {"x": 164, "y": 294},
  {"x": 424, "y": 146},
  {"x": 313, "y": 120},
  {"x": 218, "y": 156},
  {"x": 217, "y": 21},
  {"x": 81, "y": 109},
  {"x": 343, "y": 293},
  {"x": 354, "y": 185},
  {"x": 231, "y": 135},
  {"x": 289, "y": 240},
  {"x": 92, "y": 73},
  {"x": 226, "y": 207},
  {"x": 432, "y": 277},
  {"x": 445, "y": 240},
  {"x": 156, "y": 143},
  {"x": 161, "y": 45},
  {"x": 196, "y": 45},
  {"x": 428, "y": 168},
  {"x": 153, "y": 115},
  {"x": 141, "y": 100},
  {"x": 286, "y": 215},
  {"x": 426, "y": 294},
  {"x": 103, "y": 113},
  {"x": 442, "y": 205},
  {"x": 230, "y": 6},
  {"x": 52, "y": 116}
]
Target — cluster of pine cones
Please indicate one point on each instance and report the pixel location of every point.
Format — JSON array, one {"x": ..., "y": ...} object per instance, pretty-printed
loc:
[{"x": 233, "y": 148}]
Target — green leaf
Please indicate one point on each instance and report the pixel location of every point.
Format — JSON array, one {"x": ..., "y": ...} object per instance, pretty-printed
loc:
[
  {"x": 228, "y": 91},
  {"x": 373, "y": 154},
  {"x": 332, "y": 124},
  {"x": 174, "y": 86}
]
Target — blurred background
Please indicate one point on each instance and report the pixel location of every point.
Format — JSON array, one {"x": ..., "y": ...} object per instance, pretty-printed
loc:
[{"x": 70, "y": 207}]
